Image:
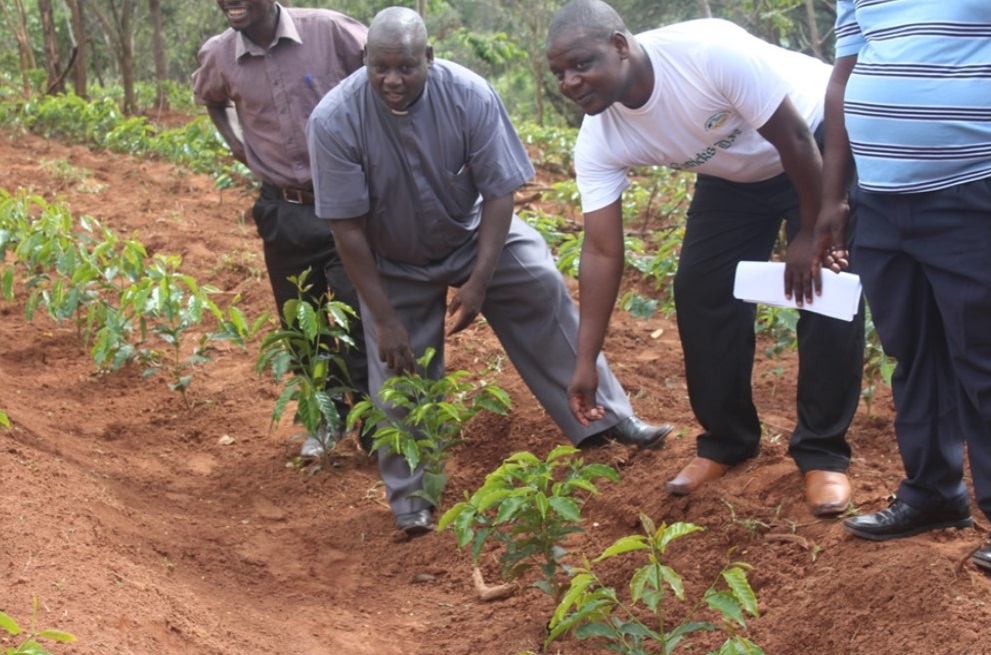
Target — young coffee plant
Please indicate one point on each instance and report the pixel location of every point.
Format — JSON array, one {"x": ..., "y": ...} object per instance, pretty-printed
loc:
[
  {"x": 779, "y": 326},
  {"x": 592, "y": 610},
  {"x": 530, "y": 507},
  {"x": 423, "y": 419},
  {"x": 30, "y": 645},
  {"x": 302, "y": 356},
  {"x": 172, "y": 305},
  {"x": 878, "y": 367},
  {"x": 4, "y": 420}
]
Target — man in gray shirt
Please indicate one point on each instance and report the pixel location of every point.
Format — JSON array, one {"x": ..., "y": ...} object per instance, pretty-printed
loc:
[
  {"x": 415, "y": 162},
  {"x": 272, "y": 67}
]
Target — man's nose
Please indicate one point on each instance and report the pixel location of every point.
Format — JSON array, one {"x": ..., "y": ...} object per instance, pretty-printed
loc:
[{"x": 569, "y": 80}]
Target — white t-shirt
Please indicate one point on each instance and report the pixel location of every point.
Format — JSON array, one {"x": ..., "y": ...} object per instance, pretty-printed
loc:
[{"x": 714, "y": 85}]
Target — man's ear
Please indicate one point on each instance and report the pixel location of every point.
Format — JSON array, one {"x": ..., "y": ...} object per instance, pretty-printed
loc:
[
  {"x": 430, "y": 56},
  {"x": 621, "y": 44},
  {"x": 364, "y": 55}
]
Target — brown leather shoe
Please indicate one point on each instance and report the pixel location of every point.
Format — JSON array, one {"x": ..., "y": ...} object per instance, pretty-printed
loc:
[
  {"x": 699, "y": 471},
  {"x": 827, "y": 492}
]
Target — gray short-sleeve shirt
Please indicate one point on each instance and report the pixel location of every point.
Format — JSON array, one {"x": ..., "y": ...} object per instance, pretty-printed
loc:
[{"x": 417, "y": 178}]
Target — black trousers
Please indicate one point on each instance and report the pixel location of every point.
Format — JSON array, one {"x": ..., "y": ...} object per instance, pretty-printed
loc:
[
  {"x": 925, "y": 260},
  {"x": 295, "y": 239},
  {"x": 730, "y": 222}
]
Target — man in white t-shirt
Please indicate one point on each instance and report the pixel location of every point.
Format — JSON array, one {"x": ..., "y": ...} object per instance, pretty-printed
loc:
[{"x": 706, "y": 96}]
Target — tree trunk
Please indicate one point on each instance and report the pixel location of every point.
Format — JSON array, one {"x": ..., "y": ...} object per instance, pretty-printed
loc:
[
  {"x": 127, "y": 56},
  {"x": 705, "y": 9},
  {"x": 81, "y": 43},
  {"x": 421, "y": 7},
  {"x": 810, "y": 11},
  {"x": 161, "y": 55},
  {"x": 56, "y": 84},
  {"x": 17, "y": 21},
  {"x": 117, "y": 23}
]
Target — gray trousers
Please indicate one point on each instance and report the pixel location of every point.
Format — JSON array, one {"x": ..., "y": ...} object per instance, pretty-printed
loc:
[{"x": 531, "y": 312}]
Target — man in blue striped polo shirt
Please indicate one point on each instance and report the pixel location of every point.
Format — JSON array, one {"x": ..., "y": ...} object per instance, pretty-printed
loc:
[{"x": 910, "y": 100}]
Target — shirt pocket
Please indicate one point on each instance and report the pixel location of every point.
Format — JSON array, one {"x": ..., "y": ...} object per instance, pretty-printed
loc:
[{"x": 460, "y": 193}]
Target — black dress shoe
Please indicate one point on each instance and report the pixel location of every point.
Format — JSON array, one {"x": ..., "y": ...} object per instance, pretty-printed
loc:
[
  {"x": 415, "y": 523},
  {"x": 902, "y": 520},
  {"x": 982, "y": 557},
  {"x": 634, "y": 432}
]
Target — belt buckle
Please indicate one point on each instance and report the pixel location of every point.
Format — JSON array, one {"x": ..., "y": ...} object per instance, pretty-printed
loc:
[{"x": 293, "y": 196}]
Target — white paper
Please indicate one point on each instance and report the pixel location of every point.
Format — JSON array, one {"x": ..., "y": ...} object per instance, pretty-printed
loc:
[{"x": 764, "y": 282}]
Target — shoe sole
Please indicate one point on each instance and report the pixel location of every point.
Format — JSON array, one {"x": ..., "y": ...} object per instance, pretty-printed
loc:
[
  {"x": 872, "y": 536},
  {"x": 677, "y": 491},
  {"x": 416, "y": 530}
]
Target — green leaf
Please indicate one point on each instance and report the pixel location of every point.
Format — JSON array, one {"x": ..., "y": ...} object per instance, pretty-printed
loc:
[
  {"x": 675, "y": 531},
  {"x": 673, "y": 579},
  {"x": 595, "y": 629},
  {"x": 724, "y": 603},
  {"x": 524, "y": 457},
  {"x": 479, "y": 542},
  {"x": 595, "y": 471},
  {"x": 57, "y": 635},
  {"x": 623, "y": 545},
  {"x": 738, "y": 645},
  {"x": 566, "y": 508},
  {"x": 31, "y": 647},
  {"x": 411, "y": 452},
  {"x": 579, "y": 483},
  {"x": 509, "y": 508},
  {"x": 449, "y": 516},
  {"x": 673, "y": 638},
  {"x": 484, "y": 501},
  {"x": 544, "y": 586},
  {"x": 640, "y": 579},
  {"x": 579, "y": 584},
  {"x": 9, "y": 624},
  {"x": 463, "y": 527},
  {"x": 4, "y": 420},
  {"x": 562, "y": 451},
  {"x": 736, "y": 578},
  {"x": 540, "y": 502},
  {"x": 433, "y": 486}
]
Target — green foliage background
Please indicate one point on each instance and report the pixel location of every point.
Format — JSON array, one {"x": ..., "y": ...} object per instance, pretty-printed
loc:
[{"x": 500, "y": 39}]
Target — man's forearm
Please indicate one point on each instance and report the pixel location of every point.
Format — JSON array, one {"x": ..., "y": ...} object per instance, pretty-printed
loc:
[{"x": 497, "y": 215}]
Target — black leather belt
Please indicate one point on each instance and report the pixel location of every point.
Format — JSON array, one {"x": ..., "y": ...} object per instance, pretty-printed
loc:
[
  {"x": 297, "y": 196},
  {"x": 289, "y": 194}
]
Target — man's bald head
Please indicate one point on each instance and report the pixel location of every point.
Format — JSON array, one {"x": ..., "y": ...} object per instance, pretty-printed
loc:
[
  {"x": 592, "y": 18},
  {"x": 398, "y": 27}
]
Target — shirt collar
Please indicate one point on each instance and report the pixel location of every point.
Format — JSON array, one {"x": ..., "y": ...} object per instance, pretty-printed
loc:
[{"x": 286, "y": 29}]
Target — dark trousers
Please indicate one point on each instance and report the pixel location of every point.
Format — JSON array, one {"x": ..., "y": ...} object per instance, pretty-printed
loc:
[
  {"x": 295, "y": 239},
  {"x": 925, "y": 261},
  {"x": 730, "y": 222}
]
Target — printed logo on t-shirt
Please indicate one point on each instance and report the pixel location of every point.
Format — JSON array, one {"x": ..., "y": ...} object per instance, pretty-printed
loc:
[
  {"x": 716, "y": 121},
  {"x": 705, "y": 155}
]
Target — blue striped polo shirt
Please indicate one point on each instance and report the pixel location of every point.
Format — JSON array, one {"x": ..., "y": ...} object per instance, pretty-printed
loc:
[{"x": 918, "y": 102}]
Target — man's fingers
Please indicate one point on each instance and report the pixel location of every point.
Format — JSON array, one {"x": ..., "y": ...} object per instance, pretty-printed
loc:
[{"x": 578, "y": 408}]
